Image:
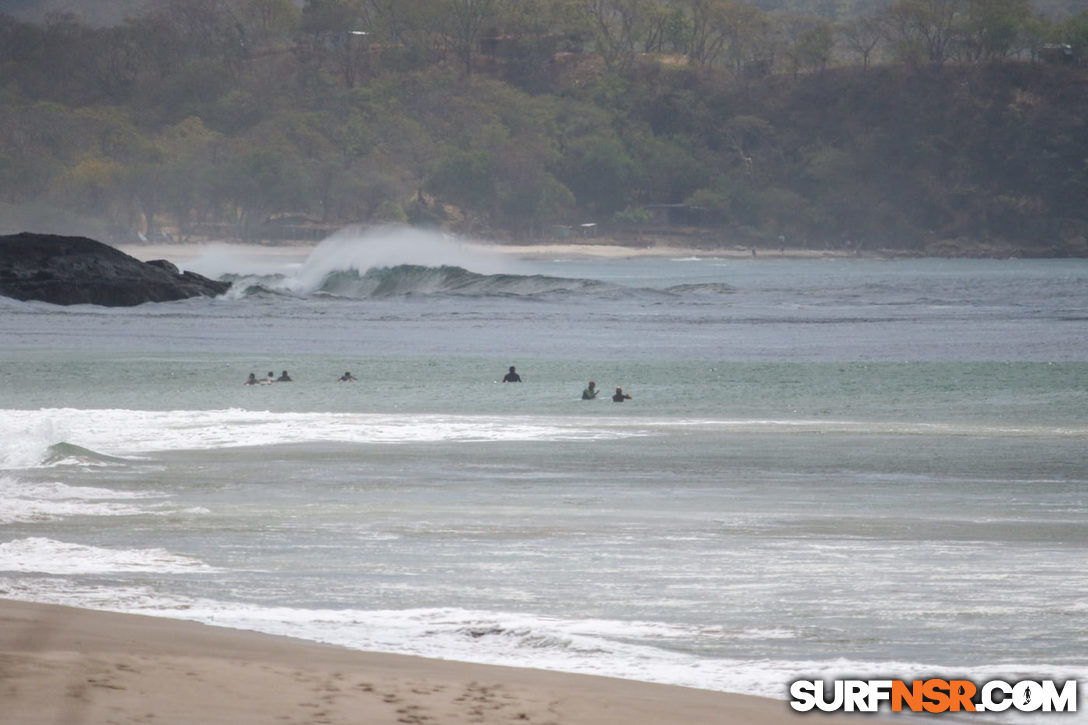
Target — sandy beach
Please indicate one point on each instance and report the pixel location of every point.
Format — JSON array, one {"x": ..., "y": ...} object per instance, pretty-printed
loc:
[
  {"x": 604, "y": 249},
  {"x": 607, "y": 250},
  {"x": 61, "y": 665}
]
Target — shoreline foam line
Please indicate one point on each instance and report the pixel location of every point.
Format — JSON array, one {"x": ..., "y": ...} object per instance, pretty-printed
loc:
[{"x": 63, "y": 664}]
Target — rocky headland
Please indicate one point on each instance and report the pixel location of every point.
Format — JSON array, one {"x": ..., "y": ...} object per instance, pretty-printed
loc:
[{"x": 77, "y": 270}]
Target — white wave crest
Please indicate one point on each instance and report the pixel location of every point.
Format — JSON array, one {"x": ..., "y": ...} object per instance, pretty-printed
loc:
[
  {"x": 132, "y": 432},
  {"x": 48, "y": 556},
  {"x": 352, "y": 249}
]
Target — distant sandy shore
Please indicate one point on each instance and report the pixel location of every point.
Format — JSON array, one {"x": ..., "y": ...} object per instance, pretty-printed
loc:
[
  {"x": 60, "y": 665},
  {"x": 618, "y": 251},
  {"x": 182, "y": 253}
]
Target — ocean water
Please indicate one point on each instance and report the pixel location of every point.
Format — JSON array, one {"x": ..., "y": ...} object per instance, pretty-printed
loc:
[{"x": 828, "y": 468}]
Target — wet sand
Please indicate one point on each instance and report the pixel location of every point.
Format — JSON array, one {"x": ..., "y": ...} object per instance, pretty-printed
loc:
[{"x": 61, "y": 665}]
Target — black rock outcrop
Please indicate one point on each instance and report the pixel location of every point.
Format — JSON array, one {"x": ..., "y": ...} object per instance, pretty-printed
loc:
[{"x": 77, "y": 270}]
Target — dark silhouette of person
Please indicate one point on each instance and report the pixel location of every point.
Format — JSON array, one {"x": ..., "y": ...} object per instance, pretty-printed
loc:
[
  {"x": 620, "y": 396},
  {"x": 512, "y": 376},
  {"x": 252, "y": 380},
  {"x": 591, "y": 391},
  {"x": 284, "y": 378},
  {"x": 347, "y": 377}
]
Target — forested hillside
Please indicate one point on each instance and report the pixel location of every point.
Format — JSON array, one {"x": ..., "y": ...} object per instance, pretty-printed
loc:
[
  {"x": 920, "y": 125},
  {"x": 112, "y": 12}
]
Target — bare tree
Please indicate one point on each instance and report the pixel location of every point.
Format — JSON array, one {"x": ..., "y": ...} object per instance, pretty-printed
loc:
[
  {"x": 616, "y": 27},
  {"x": 922, "y": 30},
  {"x": 749, "y": 35},
  {"x": 465, "y": 19},
  {"x": 861, "y": 38},
  {"x": 338, "y": 31},
  {"x": 808, "y": 42}
]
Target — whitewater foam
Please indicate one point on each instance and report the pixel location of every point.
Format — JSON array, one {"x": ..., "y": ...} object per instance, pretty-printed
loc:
[
  {"x": 130, "y": 432},
  {"x": 361, "y": 251},
  {"x": 22, "y": 501},
  {"x": 48, "y": 556},
  {"x": 405, "y": 280},
  {"x": 62, "y": 436},
  {"x": 610, "y": 648}
]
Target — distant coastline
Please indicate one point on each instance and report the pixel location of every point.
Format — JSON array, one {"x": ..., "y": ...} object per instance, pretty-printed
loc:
[
  {"x": 665, "y": 247},
  {"x": 612, "y": 249},
  {"x": 718, "y": 244},
  {"x": 538, "y": 249}
]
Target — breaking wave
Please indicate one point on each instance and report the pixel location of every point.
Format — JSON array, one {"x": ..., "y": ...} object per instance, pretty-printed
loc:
[
  {"x": 396, "y": 262},
  {"x": 69, "y": 453},
  {"x": 387, "y": 262},
  {"x": 412, "y": 280},
  {"x": 404, "y": 280},
  {"x": 257, "y": 286}
]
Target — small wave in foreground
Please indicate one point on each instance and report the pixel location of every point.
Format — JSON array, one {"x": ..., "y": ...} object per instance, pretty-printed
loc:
[{"x": 69, "y": 453}]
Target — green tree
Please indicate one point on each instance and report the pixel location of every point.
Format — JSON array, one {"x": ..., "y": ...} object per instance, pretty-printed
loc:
[
  {"x": 993, "y": 29},
  {"x": 745, "y": 140},
  {"x": 633, "y": 216},
  {"x": 92, "y": 184},
  {"x": 390, "y": 212},
  {"x": 729, "y": 198},
  {"x": 671, "y": 167},
  {"x": 599, "y": 171},
  {"x": 1074, "y": 32},
  {"x": 218, "y": 110},
  {"x": 260, "y": 181},
  {"x": 467, "y": 179},
  {"x": 176, "y": 175},
  {"x": 526, "y": 203}
]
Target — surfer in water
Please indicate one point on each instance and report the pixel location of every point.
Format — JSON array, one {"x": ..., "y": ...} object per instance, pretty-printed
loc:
[
  {"x": 512, "y": 376},
  {"x": 590, "y": 392},
  {"x": 347, "y": 377},
  {"x": 285, "y": 378},
  {"x": 252, "y": 380},
  {"x": 620, "y": 396},
  {"x": 271, "y": 378}
]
